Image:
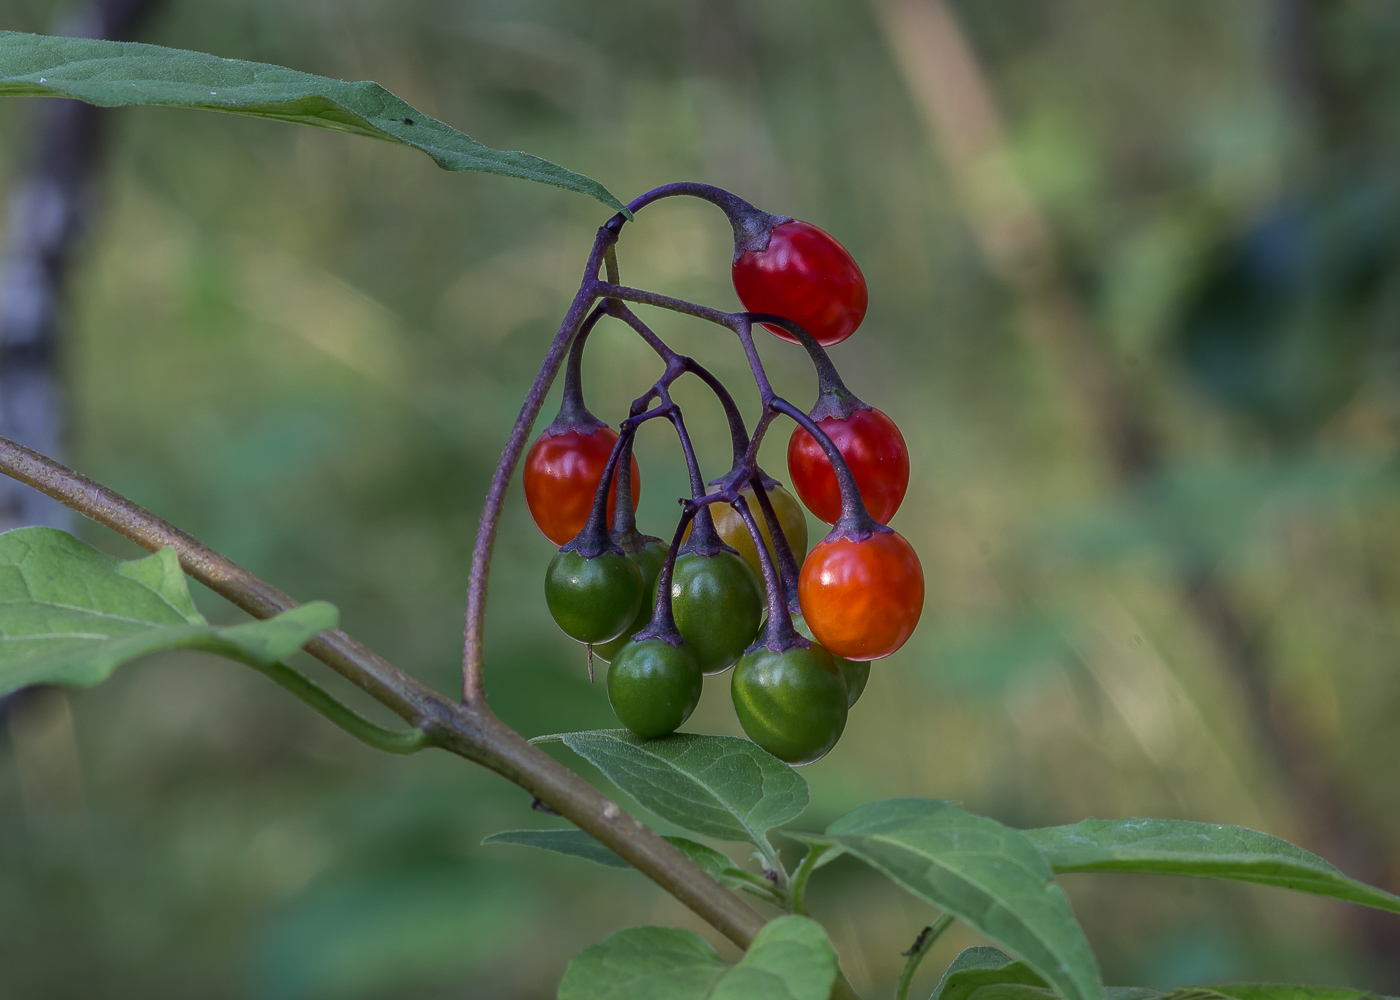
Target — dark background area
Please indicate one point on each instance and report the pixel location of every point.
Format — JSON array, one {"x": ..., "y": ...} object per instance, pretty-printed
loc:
[{"x": 1140, "y": 334}]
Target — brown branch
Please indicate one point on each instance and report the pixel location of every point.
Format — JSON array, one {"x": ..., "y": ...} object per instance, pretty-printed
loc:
[{"x": 469, "y": 730}]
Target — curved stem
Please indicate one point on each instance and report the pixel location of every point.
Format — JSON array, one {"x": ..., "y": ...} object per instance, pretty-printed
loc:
[
  {"x": 788, "y": 570},
  {"x": 663, "y": 620},
  {"x": 809, "y": 863},
  {"x": 855, "y": 520},
  {"x": 593, "y": 538},
  {"x": 833, "y": 398},
  {"x": 752, "y": 226},
  {"x": 469, "y": 730},
  {"x": 573, "y": 413},
  {"x": 921, "y": 947},
  {"x": 778, "y": 634},
  {"x": 624, "y": 514},
  {"x": 473, "y": 659},
  {"x": 738, "y": 433},
  {"x": 388, "y": 740}
]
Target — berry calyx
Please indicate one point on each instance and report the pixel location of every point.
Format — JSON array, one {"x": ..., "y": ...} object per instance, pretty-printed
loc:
[
  {"x": 735, "y": 533},
  {"x": 806, "y": 276},
  {"x": 874, "y": 449},
  {"x": 862, "y": 597}
]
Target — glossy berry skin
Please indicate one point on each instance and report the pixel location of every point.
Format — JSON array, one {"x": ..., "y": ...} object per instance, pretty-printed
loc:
[
  {"x": 863, "y": 598},
  {"x": 649, "y": 559},
  {"x": 872, "y": 446},
  {"x": 854, "y": 672},
  {"x": 562, "y": 473},
  {"x": 735, "y": 533},
  {"x": 593, "y": 600},
  {"x": 717, "y": 602},
  {"x": 792, "y": 703},
  {"x": 653, "y": 686},
  {"x": 805, "y": 276}
]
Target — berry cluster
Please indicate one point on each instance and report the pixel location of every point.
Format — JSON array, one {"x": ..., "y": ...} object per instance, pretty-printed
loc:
[{"x": 736, "y": 586}]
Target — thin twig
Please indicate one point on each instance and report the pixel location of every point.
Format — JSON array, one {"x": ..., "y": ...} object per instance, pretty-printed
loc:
[{"x": 469, "y": 730}]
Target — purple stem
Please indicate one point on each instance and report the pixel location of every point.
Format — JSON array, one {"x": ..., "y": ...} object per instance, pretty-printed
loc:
[
  {"x": 779, "y": 633},
  {"x": 593, "y": 539},
  {"x": 738, "y": 433},
  {"x": 663, "y": 620},
  {"x": 787, "y": 562},
  {"x": 473, "y": 660},
  {"x": 752, "y": 226},
  {"x": 573, "y": 414}
]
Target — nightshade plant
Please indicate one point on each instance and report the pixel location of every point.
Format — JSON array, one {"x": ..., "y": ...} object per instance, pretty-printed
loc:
[{"x": 70, "y": 615}]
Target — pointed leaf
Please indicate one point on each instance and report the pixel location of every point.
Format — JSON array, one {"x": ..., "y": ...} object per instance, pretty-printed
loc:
[
  {"x": 575, "y": 843},
  {"x": 644, "y": 963},
  {"x": 1207, "y": 850},
  {"x": 982, "y": 968},
  {"x": 790, "y": 959},
  {"x": 71, "y": 615},
  {"x": 718, "y": 786},
  {"x": 987, "y": 874},
  {"x": 582, "y": 845},
  {"x": 110, "y": 74}
]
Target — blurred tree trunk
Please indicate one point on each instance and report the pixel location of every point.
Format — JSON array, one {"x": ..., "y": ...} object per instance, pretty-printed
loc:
[
  {"x": 48, "y": 213},
  {"x": 951, "y": 92}
]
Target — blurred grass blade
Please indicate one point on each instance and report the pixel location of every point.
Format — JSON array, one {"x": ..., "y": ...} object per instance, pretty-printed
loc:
[
  {"x": 790, "y": 959},
  {"x": 114, "y": 74},
  {"x": 986, "y": 874},
  {"x": 1206, "y": 850},
  {"x": 71, "y": 615},
  {"x": 719, "y": 786}
]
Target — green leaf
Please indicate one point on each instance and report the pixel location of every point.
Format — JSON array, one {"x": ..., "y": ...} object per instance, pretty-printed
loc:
[
  {"x": 988, "y": 972},
  {"x": 112, "y": 74},
  {"x": 985, "y": 873},
  {"x": 575, "y": 843},
  {"x": 1267, "y": 991},
  {"x": 71, "y": 615},
  {"x": 790, "y": 959},
  {"x": 718, "y": 786},
  {"x": 579, "y": 844},
  {"x": 1180, "y": 847}
]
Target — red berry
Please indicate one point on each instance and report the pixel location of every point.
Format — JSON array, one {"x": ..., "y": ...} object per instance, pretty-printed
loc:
[
  {"x": 862, "y": 599},
  {"x": 804, "y": 276},
  {"x": 562, "y": 473},
  {"x": 872, "y": 446}
]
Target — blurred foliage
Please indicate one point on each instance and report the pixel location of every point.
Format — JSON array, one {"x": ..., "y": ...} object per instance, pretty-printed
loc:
[{"x": 307, "y": 349}]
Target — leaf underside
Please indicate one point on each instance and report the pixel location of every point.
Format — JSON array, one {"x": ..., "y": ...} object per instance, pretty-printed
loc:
[
  {"x": 718, "y": 786},
  {"x": 578, "y": 844},
  {"x": 113, "y": 74},
  {"x": 1207, "y": 850},
  {"x": 70, "y": 615},
  {"x": 988, "y": 974},
  {"x": 790, "y": 959},
  {"x": 987, "y": 874}
]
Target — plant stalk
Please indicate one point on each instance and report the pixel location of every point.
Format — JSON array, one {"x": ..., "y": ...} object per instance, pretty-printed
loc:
[{"x": 469, "y": 729}]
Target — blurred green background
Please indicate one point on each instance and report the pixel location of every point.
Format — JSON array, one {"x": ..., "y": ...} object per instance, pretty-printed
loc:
[{"x": 307, "y": 349}]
